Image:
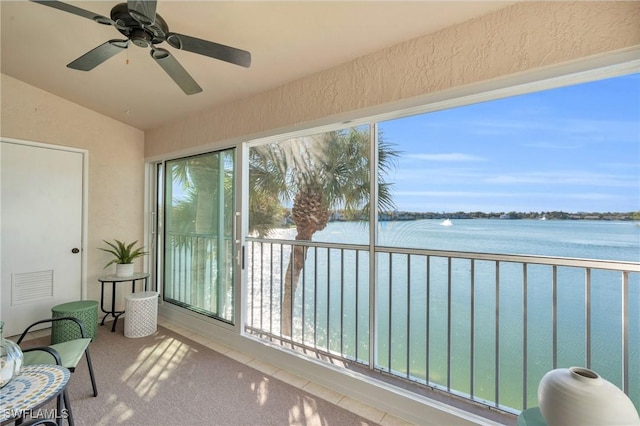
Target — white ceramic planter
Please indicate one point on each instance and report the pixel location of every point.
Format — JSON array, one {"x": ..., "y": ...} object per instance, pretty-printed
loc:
[
  {"x": 124, "y": 269},
  {"x": 579, "y": 396}
]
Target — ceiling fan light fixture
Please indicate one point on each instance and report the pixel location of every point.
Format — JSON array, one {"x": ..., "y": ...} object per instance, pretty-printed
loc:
[{"x": 140, "y": 37}]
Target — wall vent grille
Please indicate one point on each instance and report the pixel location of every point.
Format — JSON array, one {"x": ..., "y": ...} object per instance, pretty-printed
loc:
[{"x": 31, "y": 286}]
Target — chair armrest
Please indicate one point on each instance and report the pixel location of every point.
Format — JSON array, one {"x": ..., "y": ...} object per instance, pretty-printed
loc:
[
  {"x": 51, "y": 320},
  {"x": 47, "y": 349},
  {"x": 41, "y": 422}
]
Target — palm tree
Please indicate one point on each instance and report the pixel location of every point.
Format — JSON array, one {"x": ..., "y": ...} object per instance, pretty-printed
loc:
[
  {"x": 317, "y": 174},
  {"x": 196, "y": 223}
]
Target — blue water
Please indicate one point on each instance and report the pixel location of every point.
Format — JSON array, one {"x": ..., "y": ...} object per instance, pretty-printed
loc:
[
  {"x": 564, "y": 238},
  {"x": 427, "y": 305}
]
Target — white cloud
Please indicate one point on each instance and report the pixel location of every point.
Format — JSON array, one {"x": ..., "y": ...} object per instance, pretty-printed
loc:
[
  {"x": 446, "y": 157},
  {"x": 455, "y": 194},
  {"x": 525, "y": 195},
  {"x": 502, "y": 201},
  {"x": 563, "y": 178}
]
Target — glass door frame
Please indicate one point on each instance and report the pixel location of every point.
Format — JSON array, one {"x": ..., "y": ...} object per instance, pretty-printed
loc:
[{"x": 155, "y": 229}]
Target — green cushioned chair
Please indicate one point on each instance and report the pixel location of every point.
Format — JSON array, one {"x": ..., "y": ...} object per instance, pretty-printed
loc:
[{"x": 70, "y": 352}]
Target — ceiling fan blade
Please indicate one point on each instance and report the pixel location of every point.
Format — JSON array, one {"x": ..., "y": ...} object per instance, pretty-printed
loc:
[
  {"x": 209, "y": 48},
  {"x": 76, "y": 11},
  {"x": 172, "y": 67},
  {"x": 143, "y": 11},
  {"x": 95, "y": 57}
]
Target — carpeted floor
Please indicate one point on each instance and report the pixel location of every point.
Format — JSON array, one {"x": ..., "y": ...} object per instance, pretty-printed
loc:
[{"x": 168, "y": 379}]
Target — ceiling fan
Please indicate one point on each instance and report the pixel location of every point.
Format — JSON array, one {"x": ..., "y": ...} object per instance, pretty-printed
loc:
[{"x": 141, "y": 25}]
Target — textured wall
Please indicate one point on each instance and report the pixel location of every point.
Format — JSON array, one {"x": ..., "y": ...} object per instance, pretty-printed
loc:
[
  {"x": 516, "y": 39},
  {"x": 116, "y": 163}
]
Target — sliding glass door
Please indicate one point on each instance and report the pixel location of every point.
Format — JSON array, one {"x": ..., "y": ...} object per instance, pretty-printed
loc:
[{"x": 198, "y": 233}]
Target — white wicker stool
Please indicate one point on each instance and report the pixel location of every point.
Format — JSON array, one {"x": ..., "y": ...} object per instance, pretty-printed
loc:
[{"x": 141, "y": 318}]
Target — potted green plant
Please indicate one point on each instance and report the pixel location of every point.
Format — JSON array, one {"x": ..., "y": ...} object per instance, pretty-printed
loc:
[{"x": 124, "y": 254}]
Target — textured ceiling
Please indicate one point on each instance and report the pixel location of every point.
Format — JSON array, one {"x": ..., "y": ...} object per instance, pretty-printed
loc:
[{"x": 287, "y": 40}]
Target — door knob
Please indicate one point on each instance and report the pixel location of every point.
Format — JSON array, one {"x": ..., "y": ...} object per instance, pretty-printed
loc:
[{"x": 75, "y": 250}]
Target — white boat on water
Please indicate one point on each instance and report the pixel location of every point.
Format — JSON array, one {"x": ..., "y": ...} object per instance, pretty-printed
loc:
[{"x": 446, "y": 222}]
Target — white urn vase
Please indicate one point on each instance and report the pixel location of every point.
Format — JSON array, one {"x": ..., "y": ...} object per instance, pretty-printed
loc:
[
  {"x": 579, "y": 396},
  {"x": 124, "y": 269}
]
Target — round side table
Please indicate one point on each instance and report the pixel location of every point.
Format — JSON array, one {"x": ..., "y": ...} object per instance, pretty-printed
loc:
[
  {"x": 531, "y": 417},
  {"x": 85, "y": 310},
  {"x": 35, "y": 386},
  {"x": 141, "y": 319}
]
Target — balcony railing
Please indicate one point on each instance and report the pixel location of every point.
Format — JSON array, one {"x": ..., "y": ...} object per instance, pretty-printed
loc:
[
  {"x": 198, "y": 273},
  {"x": 485, "y": 327}
]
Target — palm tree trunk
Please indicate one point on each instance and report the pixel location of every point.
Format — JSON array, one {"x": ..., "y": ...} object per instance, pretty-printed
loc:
[
  {"x": 291, "y": 278},
  {"x": 310, "y": 214}
]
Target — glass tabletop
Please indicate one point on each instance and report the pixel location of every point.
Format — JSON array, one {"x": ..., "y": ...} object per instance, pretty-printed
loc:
[{"x": 113, "y": 278}]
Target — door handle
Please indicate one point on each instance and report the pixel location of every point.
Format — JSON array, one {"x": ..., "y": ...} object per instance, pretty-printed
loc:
[{"x": 75, "y": 250}]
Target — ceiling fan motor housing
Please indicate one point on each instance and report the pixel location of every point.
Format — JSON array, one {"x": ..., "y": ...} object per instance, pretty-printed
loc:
[{"x": 140, "y": 34}]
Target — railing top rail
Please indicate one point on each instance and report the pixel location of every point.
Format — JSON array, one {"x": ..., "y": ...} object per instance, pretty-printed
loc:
[
  {"x": 307, "y": 243},
  {"x": 616, "y": 265}
]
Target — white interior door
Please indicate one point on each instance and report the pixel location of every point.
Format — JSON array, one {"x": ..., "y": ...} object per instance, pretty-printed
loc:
[{"x": 41, "y": 225}]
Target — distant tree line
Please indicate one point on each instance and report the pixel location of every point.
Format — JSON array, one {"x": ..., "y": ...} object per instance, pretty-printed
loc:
[{"x": 548, "y": 215}]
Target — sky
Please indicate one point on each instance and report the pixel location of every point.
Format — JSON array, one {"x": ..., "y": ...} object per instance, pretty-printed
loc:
[{"x": 571, "y": 149}]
